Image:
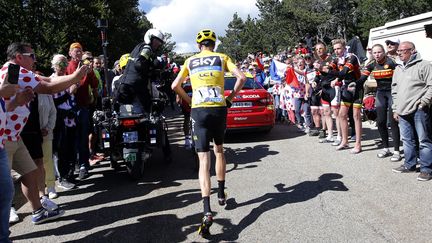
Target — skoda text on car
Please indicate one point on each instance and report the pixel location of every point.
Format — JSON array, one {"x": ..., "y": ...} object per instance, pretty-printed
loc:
[{"x": 252, "y": 107}]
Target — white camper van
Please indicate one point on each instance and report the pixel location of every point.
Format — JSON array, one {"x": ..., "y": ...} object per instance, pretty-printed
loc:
[{"x": 407, "y": 29}]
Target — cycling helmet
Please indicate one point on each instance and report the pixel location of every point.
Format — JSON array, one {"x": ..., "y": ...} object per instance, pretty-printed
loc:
[
  {"x": 204, "y": 35},
  {"x": 124, "y": 60},
  {"x": 153, "y": 33}
]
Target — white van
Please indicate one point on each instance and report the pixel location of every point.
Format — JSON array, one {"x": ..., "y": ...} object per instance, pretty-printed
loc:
[{"x": 407, "y": 29}]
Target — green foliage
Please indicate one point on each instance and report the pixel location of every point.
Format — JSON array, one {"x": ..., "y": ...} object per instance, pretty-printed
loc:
[
  {"x": 232, "y": 43},
  {"x": 282, "y": 23},
  {"x": 52, "y": 25},
  {"x": 169, "y": 45}
]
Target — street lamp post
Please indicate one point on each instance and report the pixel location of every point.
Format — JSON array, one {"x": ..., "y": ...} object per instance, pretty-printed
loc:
[{"x": 102, "y": 24}]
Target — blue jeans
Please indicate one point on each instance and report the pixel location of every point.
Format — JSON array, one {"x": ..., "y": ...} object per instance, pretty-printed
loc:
[
  {"x": 300, "y": 103},
  {"x": 83, "y": 130},
  {"x": 6, "y": 196},
  {"x": 420, "y": 121}
]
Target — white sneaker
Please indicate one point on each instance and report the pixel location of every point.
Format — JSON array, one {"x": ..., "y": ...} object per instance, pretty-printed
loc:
[
  {"x": 13, "y": 218},
  {"x": 48, "y": 204},
  {"x": 52, "y": 193}
]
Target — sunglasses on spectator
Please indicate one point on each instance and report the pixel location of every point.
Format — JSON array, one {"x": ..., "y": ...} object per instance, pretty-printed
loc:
[
  {"x": 391, "y": 43},
  {"x": 29, "y": 54}
]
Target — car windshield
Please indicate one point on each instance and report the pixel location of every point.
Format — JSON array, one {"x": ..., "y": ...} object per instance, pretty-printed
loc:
[{"x": 250, "y": 83}]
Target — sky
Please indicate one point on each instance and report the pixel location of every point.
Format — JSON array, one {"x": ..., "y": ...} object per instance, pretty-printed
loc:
[{"x": 185, "y": 18}]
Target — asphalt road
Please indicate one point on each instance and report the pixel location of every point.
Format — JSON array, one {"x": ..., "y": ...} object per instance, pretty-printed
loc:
[{"x": 282, "y": 186}]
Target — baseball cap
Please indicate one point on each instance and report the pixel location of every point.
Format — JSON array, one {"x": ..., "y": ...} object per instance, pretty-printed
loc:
[
  {"x": 75, "y": 45},
  {"x": 393, "y": 40}
]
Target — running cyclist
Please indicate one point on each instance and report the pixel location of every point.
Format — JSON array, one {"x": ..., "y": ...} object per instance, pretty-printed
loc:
[{"x": 209, "y": 110}]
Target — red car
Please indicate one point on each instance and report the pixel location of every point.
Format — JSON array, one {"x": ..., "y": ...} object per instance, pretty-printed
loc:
[{"x": 252, "y": 108}]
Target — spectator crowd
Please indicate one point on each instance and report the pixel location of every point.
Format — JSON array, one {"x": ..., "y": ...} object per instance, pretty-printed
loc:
[{"x": 48, "y": 138}]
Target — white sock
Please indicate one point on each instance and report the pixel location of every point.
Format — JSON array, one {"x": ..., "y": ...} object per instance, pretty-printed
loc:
[
  {"x": 386, "y": 150},
  {"x": 396, "y": 152}
]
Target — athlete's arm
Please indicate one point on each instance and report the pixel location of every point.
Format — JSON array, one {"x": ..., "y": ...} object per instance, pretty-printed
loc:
[
  {"x": 176, "y": 86},
  {"x": 177, "y": 83},
  {"x": 241, "y": 80},
  {"x": 348, "y": 67},
  {"x": 365, "y": 74}
]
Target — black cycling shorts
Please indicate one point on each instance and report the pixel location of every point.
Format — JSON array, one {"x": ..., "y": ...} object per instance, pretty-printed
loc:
[
  {"x": 351, "y": 98},
  {"x": 208, "y": 123},
  {"x": 315, "y": 99},
  {"x": 328, "y": 94}
]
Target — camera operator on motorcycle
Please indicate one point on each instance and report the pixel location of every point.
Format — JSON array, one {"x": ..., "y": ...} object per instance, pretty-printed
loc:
[{"x": 135, "y": 83}]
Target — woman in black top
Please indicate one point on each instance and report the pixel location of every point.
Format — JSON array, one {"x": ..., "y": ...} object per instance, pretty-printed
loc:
[{"x": 382, "y": 70}]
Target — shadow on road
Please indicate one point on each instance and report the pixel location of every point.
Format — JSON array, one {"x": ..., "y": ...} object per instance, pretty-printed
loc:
[
  {"x": 149, "y": 227},
  {"x": 135, "y": 211},
  {"x": 236, "y": 158},
  {"x": 294, "y": 194}
]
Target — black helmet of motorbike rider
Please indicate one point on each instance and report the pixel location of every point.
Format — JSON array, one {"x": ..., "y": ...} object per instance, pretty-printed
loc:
[{"x": 154, "y": 38}]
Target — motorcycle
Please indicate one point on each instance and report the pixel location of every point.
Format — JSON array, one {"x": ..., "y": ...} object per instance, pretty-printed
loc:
[{"x": 132, "y": 137}]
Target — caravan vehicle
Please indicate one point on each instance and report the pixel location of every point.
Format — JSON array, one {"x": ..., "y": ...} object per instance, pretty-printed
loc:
[
  {"x": 408, "y": 29},
  {"x": 417, "y": 29}
]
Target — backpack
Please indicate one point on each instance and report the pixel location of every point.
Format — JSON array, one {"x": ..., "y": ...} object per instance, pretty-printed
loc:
[{"x": 369, "y": 109}]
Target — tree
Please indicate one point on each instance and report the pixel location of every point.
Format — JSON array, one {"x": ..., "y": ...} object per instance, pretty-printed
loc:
[
  {"x": 169, "y": 45},
  {"x": 282, "y": 23},
  {"x": 52, "y": 25},
  {"x": 231, "y": 44}
]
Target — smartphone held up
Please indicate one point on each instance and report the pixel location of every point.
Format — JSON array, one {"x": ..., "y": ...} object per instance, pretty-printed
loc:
[{"x": 13, "y": 73}]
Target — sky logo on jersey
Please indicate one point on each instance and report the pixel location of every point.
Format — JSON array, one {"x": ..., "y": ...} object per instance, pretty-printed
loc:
[{"x": 203, "y": 64}]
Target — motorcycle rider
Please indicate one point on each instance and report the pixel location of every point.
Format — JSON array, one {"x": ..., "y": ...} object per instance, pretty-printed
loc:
[{"x": 134, "y": 85}]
